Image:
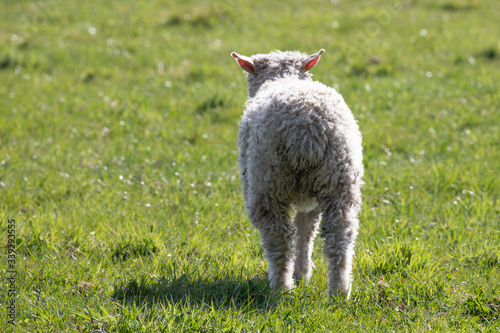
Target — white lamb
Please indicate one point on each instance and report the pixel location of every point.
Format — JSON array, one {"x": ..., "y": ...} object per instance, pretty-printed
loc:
[{"x": 299, "y": 145}]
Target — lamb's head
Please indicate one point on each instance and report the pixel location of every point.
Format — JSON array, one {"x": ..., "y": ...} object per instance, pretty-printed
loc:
[{"x": 276, "y": 65}]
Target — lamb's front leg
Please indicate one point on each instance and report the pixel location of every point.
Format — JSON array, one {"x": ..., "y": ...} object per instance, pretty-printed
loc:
[
  {"x": 306, "y": 224},
  {"x": 278, "y": 240}
]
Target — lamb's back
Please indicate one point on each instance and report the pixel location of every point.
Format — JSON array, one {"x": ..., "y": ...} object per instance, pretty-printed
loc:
[
  {"x": 300, "y": 127},
  {"x": 302, "y": 116}
]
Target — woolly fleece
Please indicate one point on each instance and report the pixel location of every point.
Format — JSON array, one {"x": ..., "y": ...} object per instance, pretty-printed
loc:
[{"x": 300, "y": 146}]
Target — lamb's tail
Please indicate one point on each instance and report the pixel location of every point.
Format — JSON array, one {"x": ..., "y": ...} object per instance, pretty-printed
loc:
[{"x": 303, "y": 147}]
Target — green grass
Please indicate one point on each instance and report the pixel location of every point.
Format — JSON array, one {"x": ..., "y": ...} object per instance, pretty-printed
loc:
[{"x": 118, "y": 162}]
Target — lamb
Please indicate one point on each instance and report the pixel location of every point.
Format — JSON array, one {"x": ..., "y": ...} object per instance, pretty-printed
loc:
[{"x": 300, "y": 146}]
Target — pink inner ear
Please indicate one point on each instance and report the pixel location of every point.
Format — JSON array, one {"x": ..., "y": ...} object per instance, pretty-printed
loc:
[
  {"x": 246, "y": 65},
  {"x": 311, "y": 63}
]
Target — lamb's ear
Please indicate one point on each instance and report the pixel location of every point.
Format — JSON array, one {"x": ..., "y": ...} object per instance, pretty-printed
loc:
[
  {"x": 245, "y": 62},
  {"x": 312, "y": 60}
]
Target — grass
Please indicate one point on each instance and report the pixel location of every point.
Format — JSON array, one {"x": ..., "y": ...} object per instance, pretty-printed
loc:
[{"x": 118, "y": 162}]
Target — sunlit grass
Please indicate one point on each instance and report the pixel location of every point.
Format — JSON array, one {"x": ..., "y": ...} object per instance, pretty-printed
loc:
[{"x": 118, "y": 161}]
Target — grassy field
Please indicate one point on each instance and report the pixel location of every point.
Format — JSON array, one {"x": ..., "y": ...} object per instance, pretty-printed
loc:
[{"x": 118, "y": 163}]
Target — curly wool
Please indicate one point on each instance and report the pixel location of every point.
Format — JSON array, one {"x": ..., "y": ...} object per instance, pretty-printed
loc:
[{"x": 300, "y": 146}]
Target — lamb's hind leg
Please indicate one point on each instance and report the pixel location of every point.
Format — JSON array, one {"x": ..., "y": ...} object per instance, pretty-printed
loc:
[
  {"x": 339, "y": 228},
  {"x": 306, "y": 224},
  {"x": 277, "y": 233}
]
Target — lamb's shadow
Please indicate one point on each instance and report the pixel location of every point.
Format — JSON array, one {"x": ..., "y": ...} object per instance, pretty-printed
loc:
[{"x": 246, "y": 295}]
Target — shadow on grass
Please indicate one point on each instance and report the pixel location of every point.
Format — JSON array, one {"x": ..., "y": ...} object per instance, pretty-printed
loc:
[{"x": 246, "y": 295}]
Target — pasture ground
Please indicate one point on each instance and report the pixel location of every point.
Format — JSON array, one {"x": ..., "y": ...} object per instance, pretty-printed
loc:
[{"x": 118, "y": 163}]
